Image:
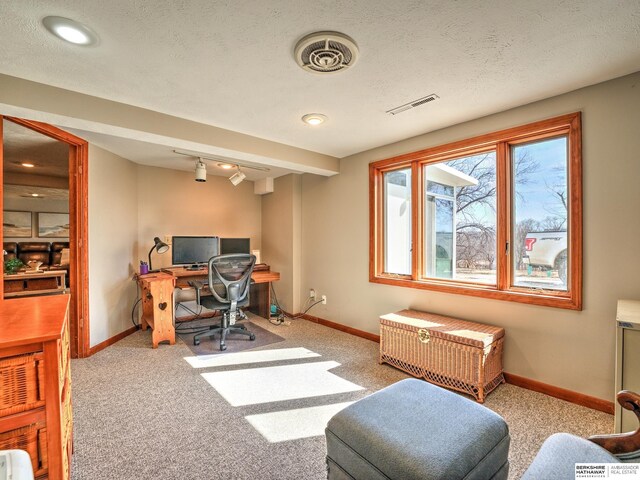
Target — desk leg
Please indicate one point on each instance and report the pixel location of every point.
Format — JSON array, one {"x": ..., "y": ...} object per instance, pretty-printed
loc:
[
  {"x": 147, "y": 309},
  {"x": 260, "y": 298},
  {"x": 162, "y": 298}
]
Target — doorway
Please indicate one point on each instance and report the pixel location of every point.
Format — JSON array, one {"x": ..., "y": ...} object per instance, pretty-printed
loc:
[{"x": 44, "y": 210}]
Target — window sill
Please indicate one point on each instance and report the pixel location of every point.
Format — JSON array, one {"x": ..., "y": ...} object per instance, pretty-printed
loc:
[{"x": 547, "y": 298}]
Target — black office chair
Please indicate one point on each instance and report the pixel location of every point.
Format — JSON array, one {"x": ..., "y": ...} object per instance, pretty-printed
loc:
[{"x": 229, "y": 280}]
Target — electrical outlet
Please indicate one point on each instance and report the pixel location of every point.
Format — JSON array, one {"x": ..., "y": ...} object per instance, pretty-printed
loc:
[
  {"x": 167, "y": 239},
  {"x": 324, "y": 299},
  {"x": 312, "y": 294}
]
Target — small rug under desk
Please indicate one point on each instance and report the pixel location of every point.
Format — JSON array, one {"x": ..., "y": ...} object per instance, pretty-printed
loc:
[{"x": 234, "y": 342}]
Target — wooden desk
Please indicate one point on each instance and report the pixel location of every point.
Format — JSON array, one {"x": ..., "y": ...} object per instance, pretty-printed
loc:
[
  {"x": 157, "y": 306},
  {"x": 35, "y": 411},
  {"x": 259, "y": 292},
  {"x": 40, "y": 283}
]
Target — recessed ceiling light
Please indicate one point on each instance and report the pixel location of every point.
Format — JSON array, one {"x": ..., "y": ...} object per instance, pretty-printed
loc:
[
  {"x": 226, "y": 166},
  {"x": 27, "y": 164},
  {"x": 314, "y": 119},
  {"x": 35, "y": 194},
  {"x": 70, "y": 30}
]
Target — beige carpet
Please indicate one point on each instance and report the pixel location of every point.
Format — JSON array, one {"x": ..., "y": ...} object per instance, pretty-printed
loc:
[{"x": 141, "y": 413}]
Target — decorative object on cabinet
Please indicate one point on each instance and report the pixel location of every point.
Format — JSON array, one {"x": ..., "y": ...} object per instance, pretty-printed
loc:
[
  {"x": 12, "y": 265},
  {"x": 34, "y": 266}
]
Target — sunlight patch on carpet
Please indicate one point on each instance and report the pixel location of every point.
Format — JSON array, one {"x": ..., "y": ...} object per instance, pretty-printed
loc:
[
  {"x": 274, "y": 384},
  {"x": 296, "y": 423},
  {"x": 241, "y": 358}
]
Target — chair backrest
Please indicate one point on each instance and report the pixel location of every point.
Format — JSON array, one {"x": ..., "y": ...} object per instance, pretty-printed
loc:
[{"x": 230, "y": 276}]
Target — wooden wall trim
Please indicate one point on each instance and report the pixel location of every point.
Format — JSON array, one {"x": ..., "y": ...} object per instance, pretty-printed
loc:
[
  {"x": 561, "y": 393},
  {"x": 110, "y": 341},
  {"x": 522, "y": 382},
  {"x": 343, "y": 328}
]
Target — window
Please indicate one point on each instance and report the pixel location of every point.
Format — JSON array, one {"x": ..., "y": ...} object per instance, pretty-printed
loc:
[
  {"x": 397, "y": 218},
  {"x": 498, "y": 216}
]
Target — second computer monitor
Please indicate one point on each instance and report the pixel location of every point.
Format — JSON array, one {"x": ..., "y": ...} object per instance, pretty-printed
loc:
[{"x": 234, "y": 245}]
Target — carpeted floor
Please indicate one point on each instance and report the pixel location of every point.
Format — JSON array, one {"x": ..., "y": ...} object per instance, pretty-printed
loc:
[{"x": 142, "y": 414}]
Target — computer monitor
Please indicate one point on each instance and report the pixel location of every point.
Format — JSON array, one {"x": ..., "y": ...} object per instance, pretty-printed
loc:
[
  {"x": 234, "y": 245},
  {"x": 193, "y": 251}
]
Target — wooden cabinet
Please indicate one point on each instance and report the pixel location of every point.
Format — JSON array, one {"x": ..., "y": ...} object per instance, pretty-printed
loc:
[
  {"x": 627, "y": 360},
  {"x": 35, "y": 381},
  {"x": 40, "y": 283}
]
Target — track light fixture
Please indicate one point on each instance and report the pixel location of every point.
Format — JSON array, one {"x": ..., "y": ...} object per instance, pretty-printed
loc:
[
  {"x": 237, "y": 177},
  {"x": 222, "y": 163},
  {"x": 201, "y": 171}
]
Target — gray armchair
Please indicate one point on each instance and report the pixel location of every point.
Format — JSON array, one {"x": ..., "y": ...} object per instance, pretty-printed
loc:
[
  {"x": 560, "y": 452},
  {"x": 229, "y": 280}
]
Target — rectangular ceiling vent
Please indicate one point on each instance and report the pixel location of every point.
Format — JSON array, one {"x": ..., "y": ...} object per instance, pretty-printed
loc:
[{"x": 413, "y": 104}]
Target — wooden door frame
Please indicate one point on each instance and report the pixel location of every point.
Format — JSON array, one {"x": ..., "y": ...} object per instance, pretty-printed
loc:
[{"x": 78, "y": 230}]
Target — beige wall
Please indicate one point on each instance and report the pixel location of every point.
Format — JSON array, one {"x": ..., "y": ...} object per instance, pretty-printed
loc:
[
  {"x": 130, "y": 204},
  {"x": 573, "y": 350},
  {"x": 171, "y": 202},
  {"x": 281, "y": 238},
  {"x": 113, "y": 219}
]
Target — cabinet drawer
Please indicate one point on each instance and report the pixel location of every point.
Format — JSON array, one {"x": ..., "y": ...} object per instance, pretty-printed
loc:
[
  {"x": 32, "y": 439},
  {"x": 22, "y": 383}
]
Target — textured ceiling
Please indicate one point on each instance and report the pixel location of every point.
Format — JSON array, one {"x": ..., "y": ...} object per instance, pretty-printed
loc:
[
  {"x": 50, "y": 157},
  {"x": 27, "y": 191},
  {"x": 230, "y": 64}
]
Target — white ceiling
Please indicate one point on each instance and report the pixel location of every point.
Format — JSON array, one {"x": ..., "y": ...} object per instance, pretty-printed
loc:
[
  {"x": 49, "y": 156},
  {"x": 145, "y": 153},
  {"x": 230, "y": 64}
]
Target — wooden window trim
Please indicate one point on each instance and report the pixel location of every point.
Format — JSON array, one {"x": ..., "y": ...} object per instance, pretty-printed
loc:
[{"x": 500, "y": 141}]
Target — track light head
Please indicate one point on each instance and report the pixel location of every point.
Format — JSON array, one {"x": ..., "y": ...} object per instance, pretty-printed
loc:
[
  {"x": 201, "y": 171},
  {"x": 237, "y": 177}
]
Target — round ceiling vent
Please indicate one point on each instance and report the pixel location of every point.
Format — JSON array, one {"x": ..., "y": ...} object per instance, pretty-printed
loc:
[{"x": 326, "y": 52}]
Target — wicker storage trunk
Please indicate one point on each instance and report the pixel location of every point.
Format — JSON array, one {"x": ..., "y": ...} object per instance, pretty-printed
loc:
[{"x": 456, "y": 354}]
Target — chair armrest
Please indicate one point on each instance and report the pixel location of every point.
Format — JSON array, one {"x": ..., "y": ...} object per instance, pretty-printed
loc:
[{"x": 622, "y": 442}]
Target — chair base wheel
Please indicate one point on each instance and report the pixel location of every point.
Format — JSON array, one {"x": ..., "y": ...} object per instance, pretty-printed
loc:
[
  {"x": 196, "y": 342},
  {"x": 223, "y": 347},
  {"x": 252, "y": 337}
]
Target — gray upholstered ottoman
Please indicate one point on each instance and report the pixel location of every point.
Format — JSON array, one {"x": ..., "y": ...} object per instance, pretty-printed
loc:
[{"x": 415, "y": 430}]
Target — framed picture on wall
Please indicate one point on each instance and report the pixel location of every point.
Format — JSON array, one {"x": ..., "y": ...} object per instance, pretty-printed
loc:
[
  {"x": 55, "y": 225},
  {"x": 16, "y": 224}
]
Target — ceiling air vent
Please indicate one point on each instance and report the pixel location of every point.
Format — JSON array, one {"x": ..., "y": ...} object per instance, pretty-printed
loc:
[
  {"x": 326, "y": 52},
  {"x": 413, "y": 104}
]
